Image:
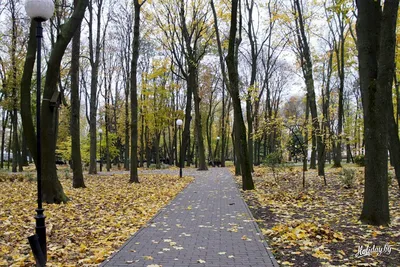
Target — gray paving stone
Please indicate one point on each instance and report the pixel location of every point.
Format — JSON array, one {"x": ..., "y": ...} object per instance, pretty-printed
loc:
[{"x": 205, "y": 220}]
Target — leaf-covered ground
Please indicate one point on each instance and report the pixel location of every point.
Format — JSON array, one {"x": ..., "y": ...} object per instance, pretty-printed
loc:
[
  {"x": 95, "y": 223},
  {"x": 319, "y": 226}
]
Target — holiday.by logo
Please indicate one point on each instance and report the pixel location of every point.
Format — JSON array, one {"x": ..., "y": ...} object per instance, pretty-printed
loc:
[{"x": 368, "y": 250}]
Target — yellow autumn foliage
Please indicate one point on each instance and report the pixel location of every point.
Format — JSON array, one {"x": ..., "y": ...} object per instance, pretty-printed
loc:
[{"x": 93, "y": 224}]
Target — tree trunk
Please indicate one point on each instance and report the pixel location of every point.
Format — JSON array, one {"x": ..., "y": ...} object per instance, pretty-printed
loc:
[
  {"x": 308, "y": 74},
  {"x": 349, "y": 156},
  {"x": 94, "y": 62},
  {"x": 188, "y": 152},
  {"x": 20, "y": 165},
  {"x": 198, "y": 123},
  {"x": 14, "y": 141},
  {"x": 142, "y": 148},
  {"x": 107, "y": 119},
  {"x": 236, "y": 155},
  {"x": 14, "y": 116},
  {"x": 376, "y": 52},
  {"x": 305, "y": 145},
  {"x": 24, "y": 151},
  {"x": 9, "y": 148},
  {"x": 340, "y": 57},
  {"x": 250, "y": 144},
  {"x": 209, "y": 123},
  {"x": 157, "y": 150},
  {"x": 240, "y": 129},
  {"x": 52, "y": 189},
  {"x": 134, "y": 178},
  {"x": 26, "y": 81},
  {"x": 313, "y": 158},
  {"x": 223, "y": 128},
  {"x": 127, "y": 125},
  {"x": 77, "y": 174},
  {"x": 3, "y": 136},
  {"x": 325, "y": 111},
  {"x": 148, "y": 148}
]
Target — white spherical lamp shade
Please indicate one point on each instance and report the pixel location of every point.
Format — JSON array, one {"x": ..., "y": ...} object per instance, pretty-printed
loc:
[
  {"x": 39, "y": 9},
  {"x": 218, "y": 137},
  {"x": 100, "y": 131},
  {"x": 179, "y": 122}
]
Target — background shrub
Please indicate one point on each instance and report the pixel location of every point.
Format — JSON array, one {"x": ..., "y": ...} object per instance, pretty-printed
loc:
[
  {"x": 359, "y": 160},
  {"x": 348, "y": 177}
]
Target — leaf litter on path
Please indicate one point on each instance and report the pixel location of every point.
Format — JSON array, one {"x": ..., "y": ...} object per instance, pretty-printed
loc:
[{"x": 90, "y": 227}]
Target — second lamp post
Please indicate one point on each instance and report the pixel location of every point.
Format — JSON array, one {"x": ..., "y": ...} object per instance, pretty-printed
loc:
[{"x": 179, "y": 123}]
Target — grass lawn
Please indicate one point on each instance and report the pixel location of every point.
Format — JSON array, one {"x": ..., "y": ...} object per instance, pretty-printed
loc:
[
  {"x": 93, "y": 224},
  {"x": 318, "y": 225}
]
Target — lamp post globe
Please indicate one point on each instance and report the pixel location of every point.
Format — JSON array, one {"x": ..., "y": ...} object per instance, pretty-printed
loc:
[
  {"x": 39, "y": 10},
  {"x": 218, "y": 138},
  {"x": 179, "y": 123}
]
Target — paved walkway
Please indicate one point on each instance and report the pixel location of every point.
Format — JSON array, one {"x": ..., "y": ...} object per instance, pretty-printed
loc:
[{"x": 207, "y": 224}]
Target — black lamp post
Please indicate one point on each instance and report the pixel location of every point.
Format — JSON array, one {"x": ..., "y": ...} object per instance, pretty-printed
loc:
[
  {"x": 179, "y": 123},
  {"x": 40, "y": 11},
  {"x": 101, "y": 159}
]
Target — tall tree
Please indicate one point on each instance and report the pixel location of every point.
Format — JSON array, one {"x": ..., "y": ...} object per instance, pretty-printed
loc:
[
  {"x": 52, "y": 188},
  {"x": 125, "y": 27},
  {"x": 77, "y": 174},
  {"x": 376, "y": 40},
  {"x": 304, "y": 54},
  {"x": 134, "y": 178},
  {"x": 239, "y": 127},
  {"x": 95, "y": 46},
  {"x": 254, "y": 52},
  {"x": 326, "y": 96},
  {"x": 225, "y": 84},
  {"x": 338, "y": 25},
  {"x": 196, "y": 40},
  {"x": 187, "y": 37},
  {"x": 13, "y": 9},
  {"x": 25, "y": 92}
]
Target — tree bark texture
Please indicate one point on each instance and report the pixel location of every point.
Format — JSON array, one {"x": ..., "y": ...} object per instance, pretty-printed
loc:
[
  {"x": 376, "y": 52},
  {"x": 94, "y": 62},
  {"x": 134, "y": 177},
  {"x": 77, "y": 174},
  {"x": 52, "y": 189},
  {"x": 306, "y": 63},
  {"x": 240, "y": 129},
  {"x": 193, "y": 56},
  {"x": 202, "y": 166},
  {"x": 26, "y": 100},
  {"x": 14, "y": 116}
]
